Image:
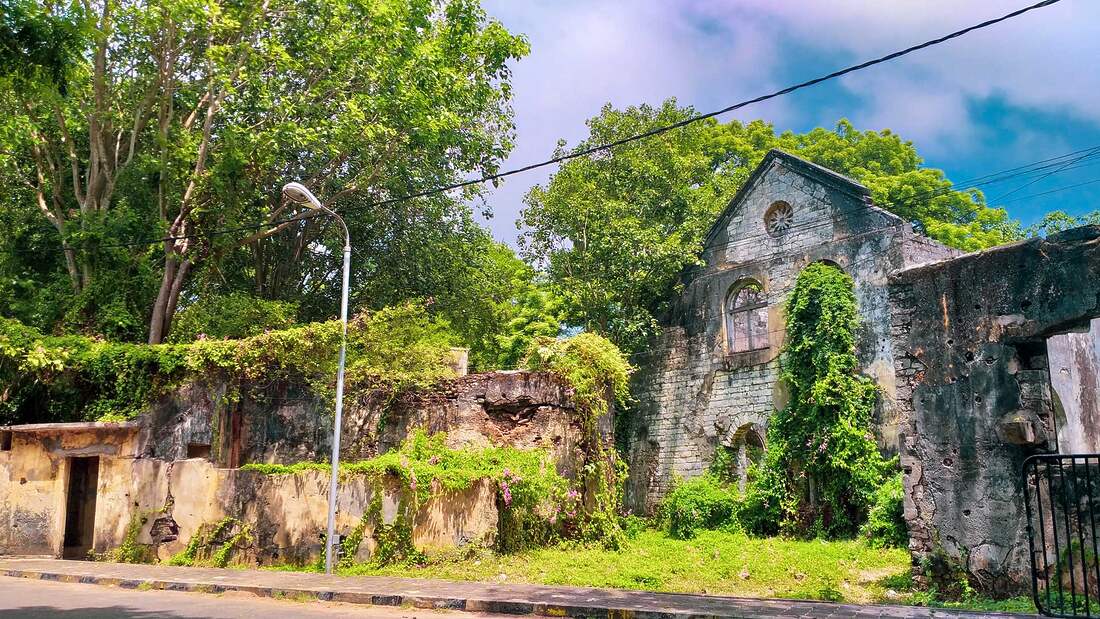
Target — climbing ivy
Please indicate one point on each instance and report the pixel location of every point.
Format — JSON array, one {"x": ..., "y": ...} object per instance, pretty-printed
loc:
[
  {"x": 213, "y": 545},
  {"x": 598, "y": 374},
  {"x": 529, "y": 490},
  {"x": 74, "y": 378},
  {"x": 822, "y": 467}
]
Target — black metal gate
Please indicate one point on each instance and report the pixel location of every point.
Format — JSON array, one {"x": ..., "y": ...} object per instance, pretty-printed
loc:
[{"x": 1062, "y": 495}]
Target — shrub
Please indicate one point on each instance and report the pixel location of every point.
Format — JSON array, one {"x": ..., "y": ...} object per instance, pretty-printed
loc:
[
  {"x": 885, "y": 526},
  {"x": 231, "y": 316},
  {"x": 700, "y": 503}
]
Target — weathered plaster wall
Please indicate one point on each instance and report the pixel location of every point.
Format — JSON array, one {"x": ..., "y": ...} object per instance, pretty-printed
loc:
[
  {"x": 693, "y": 394},
  {"x": 33, "y": 478},
  {"x": 286, "y": 512},
  {"x": 974, "y": 390},
  {"x": 1075, "y": 377},
  {"x": 145, "y": 469}
]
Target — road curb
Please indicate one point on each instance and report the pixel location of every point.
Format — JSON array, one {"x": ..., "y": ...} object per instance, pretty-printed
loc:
[{"x": 371, "y": 599}]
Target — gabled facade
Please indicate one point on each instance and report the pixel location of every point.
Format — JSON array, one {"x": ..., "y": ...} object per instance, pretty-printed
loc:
[{"x": 709, "y": 382}]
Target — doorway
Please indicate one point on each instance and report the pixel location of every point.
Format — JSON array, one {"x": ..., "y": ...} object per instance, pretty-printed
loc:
[{"x": 80, "y": 507}]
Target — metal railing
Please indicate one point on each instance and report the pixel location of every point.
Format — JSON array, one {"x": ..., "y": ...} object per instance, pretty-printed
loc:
[{"x": 1062, "y": 495}]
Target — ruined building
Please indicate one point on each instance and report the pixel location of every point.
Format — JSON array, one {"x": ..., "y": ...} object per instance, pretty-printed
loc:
[
  {"x": 981, "y": 360},
  {"x": 155, "y": 484}
]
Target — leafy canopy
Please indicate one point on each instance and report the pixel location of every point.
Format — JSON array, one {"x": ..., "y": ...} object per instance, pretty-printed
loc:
[
  {"x": 140, "y": 119},
  {"x": 614, "y": 230}
]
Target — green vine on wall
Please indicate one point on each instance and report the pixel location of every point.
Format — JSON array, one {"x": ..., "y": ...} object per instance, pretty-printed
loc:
[
  {"x": 822, "y": 466},
  {"x": 598, "y": 374},
  {"x": 214, "y": 545},
  {"x": 73, "y": 377}
]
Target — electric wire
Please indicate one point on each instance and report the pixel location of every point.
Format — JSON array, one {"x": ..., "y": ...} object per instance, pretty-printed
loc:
[{"x": 620, "y": 142}]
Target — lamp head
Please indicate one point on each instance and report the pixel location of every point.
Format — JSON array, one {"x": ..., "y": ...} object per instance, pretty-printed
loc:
[{"x": 298, "y": 193}]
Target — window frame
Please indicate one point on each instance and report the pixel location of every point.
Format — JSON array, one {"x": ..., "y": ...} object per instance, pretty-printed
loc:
[{"x": 750, "y": 311}]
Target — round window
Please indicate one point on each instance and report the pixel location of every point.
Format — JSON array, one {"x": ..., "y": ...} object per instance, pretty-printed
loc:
[{"x": 779, "y": 218}]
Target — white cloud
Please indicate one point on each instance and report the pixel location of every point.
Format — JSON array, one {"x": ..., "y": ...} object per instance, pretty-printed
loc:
[{"x": 709, "y": 53}]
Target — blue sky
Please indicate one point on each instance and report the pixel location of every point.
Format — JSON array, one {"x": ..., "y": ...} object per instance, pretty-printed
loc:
[{"x": 1018, "y": 92}]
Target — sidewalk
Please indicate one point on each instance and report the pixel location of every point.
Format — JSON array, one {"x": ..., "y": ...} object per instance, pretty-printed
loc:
[{"x": 480, "y": 597}]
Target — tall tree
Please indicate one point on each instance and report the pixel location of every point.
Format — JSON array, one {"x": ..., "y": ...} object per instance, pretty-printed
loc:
[
  {"x": 184, "y": 117},
  {"x": 614, "y": 229}
]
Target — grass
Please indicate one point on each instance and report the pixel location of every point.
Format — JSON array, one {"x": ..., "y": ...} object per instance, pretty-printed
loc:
[{"x": 714, "y": 562}]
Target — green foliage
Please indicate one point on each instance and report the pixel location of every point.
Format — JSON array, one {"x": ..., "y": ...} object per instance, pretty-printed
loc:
[
  {"x": 596, "y": 369},
  {"x": 598, "y": 374},
  {"x": 823, "y": 468},
  {"x": 231, "y": 316},
  {"x": 522, "y": 310},
  {"x": 71, "y": 378},
  {"x": 885, "y": 526},
  {"x": 214, "y": 545},
  {"x": 402, "y": 96},
  {"x": 36, "y": 44},
  {"x": 704, "y": 502},
  {"x": 1059, "y": 221},
  {"x": 130, "y": 551},
  {"x": 615, "y": 231}
]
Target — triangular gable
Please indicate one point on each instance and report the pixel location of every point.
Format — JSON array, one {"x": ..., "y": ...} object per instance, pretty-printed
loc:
[{"x": 817, "y": 173}]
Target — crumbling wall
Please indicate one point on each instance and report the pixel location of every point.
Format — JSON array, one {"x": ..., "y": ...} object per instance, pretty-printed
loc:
[
  {"x": 33, "y": 478},
  {"x": 286, "y": 423},
  {"x": 974, "y": 389},
  {"x": 286, "y": 513},
  {"x": 693, "y": 394}
]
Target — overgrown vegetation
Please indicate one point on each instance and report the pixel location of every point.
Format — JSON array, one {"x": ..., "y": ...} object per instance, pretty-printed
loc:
[
  {"x": 885, "y": 525},
  {"x": 712, "y": 562},
  {"x": 822, "y": 469},
  {"x": 598, "y": 373},
  {"x": 705, "y": 502},
  {"x": 214, "y": 545},
  {"x": 73, "y": 377},
  {"x": 530, "y": 492}
]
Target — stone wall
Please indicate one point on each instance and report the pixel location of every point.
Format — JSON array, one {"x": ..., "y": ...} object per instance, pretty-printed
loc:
[
  {"x": 286, "y": 513},
  {"x": 974, "y": 390},
  {"x": 286, "y": 423},
  {"x": 179, "y": 464},
  {"x": 693, "y": 394}
]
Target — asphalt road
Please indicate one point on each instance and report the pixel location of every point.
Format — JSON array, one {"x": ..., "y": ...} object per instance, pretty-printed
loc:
[{"x": 20, "y": 597}]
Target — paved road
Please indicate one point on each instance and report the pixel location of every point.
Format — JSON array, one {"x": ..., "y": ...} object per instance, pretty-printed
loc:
[{"x": 20, "y": 597}]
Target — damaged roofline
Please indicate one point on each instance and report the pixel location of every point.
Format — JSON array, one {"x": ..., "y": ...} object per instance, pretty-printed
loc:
[
  {"x": 1089, "y": 233},
  {"x": 79, "y": 426}
]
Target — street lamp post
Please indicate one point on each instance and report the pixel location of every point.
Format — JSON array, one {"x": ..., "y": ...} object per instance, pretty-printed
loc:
[{"x": 298, "y": 193}]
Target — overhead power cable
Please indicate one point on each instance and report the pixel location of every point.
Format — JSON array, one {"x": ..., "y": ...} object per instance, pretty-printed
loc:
[{"x": 627, "y": 140}]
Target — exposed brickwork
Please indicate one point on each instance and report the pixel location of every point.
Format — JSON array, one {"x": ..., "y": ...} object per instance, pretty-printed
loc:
[
  {"x": 693, "y": 395},
  {"x": 972, "y": 374}
]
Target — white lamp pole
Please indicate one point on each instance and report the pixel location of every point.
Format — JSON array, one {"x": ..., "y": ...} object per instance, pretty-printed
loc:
[{"x": 298, "y": 193}]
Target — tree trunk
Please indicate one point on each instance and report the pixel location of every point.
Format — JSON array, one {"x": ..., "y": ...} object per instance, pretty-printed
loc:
[{"x": 156, "y": 322}]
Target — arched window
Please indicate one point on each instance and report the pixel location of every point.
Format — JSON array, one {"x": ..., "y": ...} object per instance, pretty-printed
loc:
[{"x": 747, "y": 317}]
